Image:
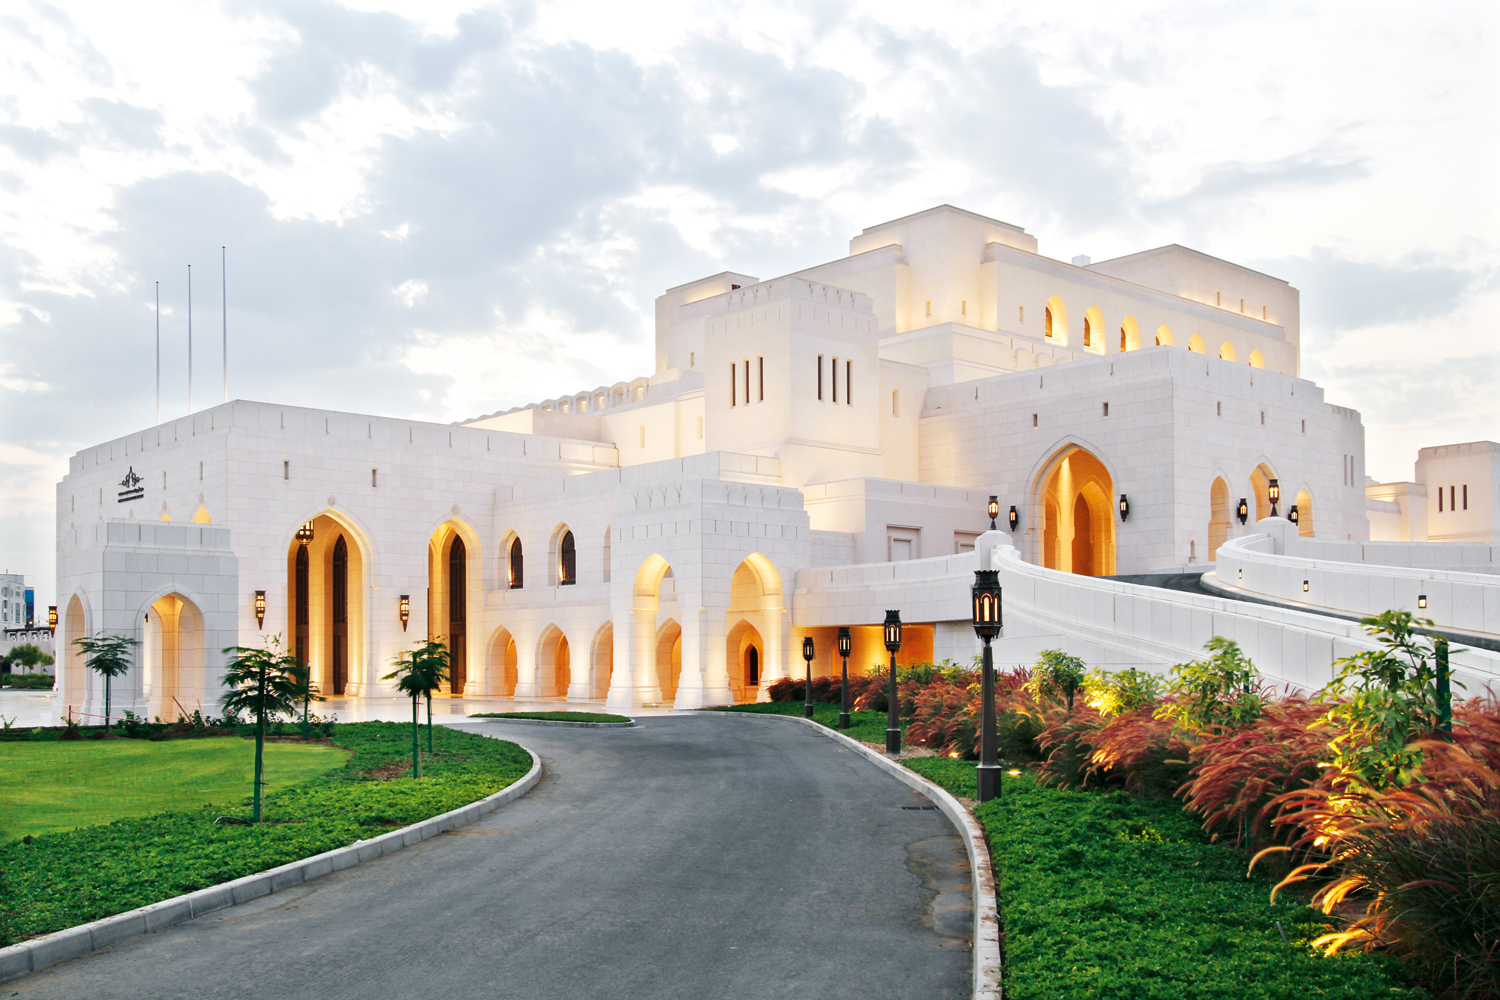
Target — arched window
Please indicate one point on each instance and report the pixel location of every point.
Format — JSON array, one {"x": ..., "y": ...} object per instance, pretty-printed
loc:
[
  {"x": 567, "y": 561},
  {"x": 458, "y": 614},
  {"x": 1047, "y": 322},
  {"x": 1093, "y": 330},
  {"x": 1056, "y": 320},
  {"x": 1088, "y": 330},
  {"x": 1164, "y": 336},
  {"x": 1226, "y": 352},
  {"x": 1257, "y": 360},
  {"x": 517, "y": 575},
  {"x": 1195, "y": 344},
  {"x": 340, "y": 616},
  {"x": 607, "y": 534},
  {"x": 752, "y": 666}
]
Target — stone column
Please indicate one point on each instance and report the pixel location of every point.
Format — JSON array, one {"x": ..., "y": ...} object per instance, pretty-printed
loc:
[{"x": 527, "y": 683}]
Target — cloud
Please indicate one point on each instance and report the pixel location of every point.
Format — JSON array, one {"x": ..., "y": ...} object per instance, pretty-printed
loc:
[{"x": 1340, "y": 293}]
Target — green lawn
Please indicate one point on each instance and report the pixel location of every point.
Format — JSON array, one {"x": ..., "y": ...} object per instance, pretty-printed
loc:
[
  {"x": 46, "y": 787},
  {"x": 867, "y": 727},
  {"x": 554, "y": 716}
]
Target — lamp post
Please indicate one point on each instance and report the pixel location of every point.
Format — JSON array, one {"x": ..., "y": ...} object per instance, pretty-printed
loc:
[
  {"x": 987, "y": 625},
  {"x": 893, "y": 707},
  {"x": 807, "y": 654},
  {"x": 1274, "y": 492},
  {"x": 994, "y": 511},
  {"x": 846, "y": 646}
]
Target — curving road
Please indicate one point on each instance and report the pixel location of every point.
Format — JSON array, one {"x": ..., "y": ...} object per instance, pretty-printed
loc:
[{"x": 691, "y": 857}]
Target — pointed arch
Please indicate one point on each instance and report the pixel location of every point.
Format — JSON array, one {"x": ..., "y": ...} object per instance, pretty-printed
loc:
[
  {"x": 501, "y": 668},
  {"x": 1164, "y": 336},
  {"x": 1093, "y": 329},
  {"x": 174, "y": 668},
  {"x": 562, "y": 554},
  {"x": 669, "y": 658},
  {"x": 1226, "y": 351},
  {"x": 553, "y": 663},
  {"x": 515, "y": 561},
  {"x": 1075, "y": 492},
  {"x": 602, "y": 660},
  {"x": 1304, "y": 513},
  {"x": 1195, "y": 344},
  {"x": 326, "y": 603},
  {"x": 201, "y": 516},
  {"x": 1130, "y": 335},
  {"x": 1218, "y": 516},
  {"x": 745, "y": 652},
  {"x": 1055, "y": 321},
  {"x": 454, "y": 583},
  {"x": 1260, "y": 486},
  {"x": 1257, "y": 360}
]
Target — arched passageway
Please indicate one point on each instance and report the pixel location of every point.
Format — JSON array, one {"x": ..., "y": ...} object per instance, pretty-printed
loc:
[
  {"x": 502, "y": 665},
  {"x": 1260, "y": 489},
  {"x": 325, "y": 606},
  {"x": 603, "y": 661},
  {"x": 1218, "y": 516},
  {"x": 451, "y": 555},
  {"x": 669, "y": 659},
  {"x": 553, "y": 662},
  {"x": 1055, "y": 321},
  {"x": 172, "y": 655},
  {"x": 744, "y": 648},
  {"x": 757, "y": 627},
  {"x": 1077, "y": 501},
  {"x": 1304, "y": 514}
]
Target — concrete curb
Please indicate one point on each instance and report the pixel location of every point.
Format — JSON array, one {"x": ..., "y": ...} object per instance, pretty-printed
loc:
[
  {"x": 986, "y": 913},
  {"x": 39, "y": 953},
  {"x": 546, "y": 722}
]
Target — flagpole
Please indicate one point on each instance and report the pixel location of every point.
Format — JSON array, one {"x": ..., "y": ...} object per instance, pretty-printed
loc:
[
  {"x": 158, "y": 354},
  {"x": 190, "y": 338},
  {"x": 224, "y": 293}
]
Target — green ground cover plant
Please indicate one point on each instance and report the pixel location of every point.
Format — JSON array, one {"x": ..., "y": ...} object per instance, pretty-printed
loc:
[
  {"x": 554, "y": 716},
  {"x": 48, "y": 787},
  {"x": 865, "y": 726},
  {"x": 1111, "y": 897},
  {"x": 61, "y": 879},
  {"x": 27, "y": 682}
]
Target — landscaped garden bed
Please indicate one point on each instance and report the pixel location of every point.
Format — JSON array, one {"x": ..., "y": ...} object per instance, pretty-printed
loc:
[{"x": 57, "y": 880}]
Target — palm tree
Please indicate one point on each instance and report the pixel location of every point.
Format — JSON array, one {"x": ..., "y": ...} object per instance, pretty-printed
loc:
[
  {"x": 108, "y": 656},
  {"x": 262, "y": 684},
  {"x": 421, "y": 672},
  {"x": 305, "y": 690}
]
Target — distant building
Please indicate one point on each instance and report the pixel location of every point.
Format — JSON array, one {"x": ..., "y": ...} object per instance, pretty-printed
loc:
[
  {"x": 17, "y": 602},
  {"x": 1455, "y": 498}
]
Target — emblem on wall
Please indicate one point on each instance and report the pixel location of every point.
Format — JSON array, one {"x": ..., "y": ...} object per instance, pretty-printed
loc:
[{"x": 133, "y": 489}]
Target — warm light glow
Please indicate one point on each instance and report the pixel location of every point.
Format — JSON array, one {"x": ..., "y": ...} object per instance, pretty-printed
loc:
[
  {"x": 305, "y": 533},
  {"x": 1421, "y": 600},
  {"x": 405, "y": 610},
  {"x": 260, "y": 608},
  {"x": 893, "y": 630},
  {"x": 994, "y": 510},
  {"x": 1304, "y": 586},
  {"x": 846, "y": 641},
  {"x": 1015, "y": 518},
  {"x": 1013, "y": 772},
  {"x": 52, "y": 616},
  {"x": 807, "y": 648},
  {"x": 1243, "y": 510}
]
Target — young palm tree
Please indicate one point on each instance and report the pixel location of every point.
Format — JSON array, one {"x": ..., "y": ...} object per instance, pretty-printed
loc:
[
  {"x": 261, "y": 684},
  {"x": 305, "y": 690},
  {"x": 421, "y": 672},
  {"x": 108, "y": 656}
]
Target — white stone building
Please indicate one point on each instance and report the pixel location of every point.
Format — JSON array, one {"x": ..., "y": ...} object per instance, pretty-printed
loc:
[{"x": 670, "y": 539}]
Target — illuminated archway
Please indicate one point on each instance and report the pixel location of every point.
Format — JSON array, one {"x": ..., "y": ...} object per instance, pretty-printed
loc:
[
  {"x": 1226, "y": 351},
  {"x": 1218, "y": 516},
  {"x": 502, "y": 665},
  {"x": 756, "y": 600},
  {"x": 1257, "y": 360},
  {"x": 745, "y": 648},
  {"x": 1164, "y": 336},
  {"x": 669, "y": 658},
  {"x": 74, "y": 678},
  {"x": 1130, "y": 335},
  {"x": 1093, "y": 329},
  {"x": 172, "y": 657},
  {"x": 552, "y": 661},
  {"x": 325, "y": 602},
  {"x": 1304, "y": 514},
  {"x": 1260, "y": 489},
  {"x": 1055, "y": 321},
  {"x": 453, "y": 585},
  {"x": 1077, "y": 500},
  {"x": 1195, "y": 344},
  {"x": 201, "y": 515},
  {"x": 603, "y": 660}
]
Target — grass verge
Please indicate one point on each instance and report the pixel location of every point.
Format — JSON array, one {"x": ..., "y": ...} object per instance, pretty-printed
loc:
[
  {"x": 59, "y": 880},
  {"x": 1109, "y": 897},
  {"x": 554, "y": 716},
  {"x": 867, "y": 727},
  {"x": 48, "y": 787}
]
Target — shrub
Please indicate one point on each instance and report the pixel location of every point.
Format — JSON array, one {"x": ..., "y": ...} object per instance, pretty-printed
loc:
[
  {"x": 1056, "y": 676},
  {"x": 1219, "y": 691},
  {"x": 1123, "y": 691}
]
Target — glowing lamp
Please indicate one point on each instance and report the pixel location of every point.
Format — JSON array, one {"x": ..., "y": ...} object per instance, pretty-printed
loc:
[
  {"x": 404, "y": 610},
  {"x": 1304, "y": 586},
  {"x": 1243, "y": 511},
  {"x": 1015, "y": 518},
  {"x": 1291, "y": 513},
  {"x": 986, "y": 595},
  {"x": 1274, "y": 492},
  {"x": 846, "y": 641},
  {"x": 1421, "y": 600},
  {"x": 994, "y": 510},
  {"x": 52, "y": 617},
  {"x": 260, "y": 609},
  {"x": 807, "y": 648},
  {"x": 305, "y": 533},
  {"x": 893, "y": 630},
  {"x": 1124, "y": 507}
]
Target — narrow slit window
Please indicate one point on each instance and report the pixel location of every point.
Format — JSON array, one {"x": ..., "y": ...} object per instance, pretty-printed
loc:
[
  {"x": 760, "y": 384},
  {"x": 1220, "y": 407},
  {"x": 1452, "y": 497},
  {"x": 747, "y": 381},
  {"x": 1106, "y": 409},
  {"x": 1466, "y": 496},
  {"x": 1033, "y": 420},
  {"x": 374, "y": 473},
  {"x": 1023, "y": 313},
  {"x": 643, "y": 435},
  {"x": 700, "y": 427},
  {"x": 1440, "y": 499},
  {"x": 848, "y": 383},
  {"x": 286, "y": 470},
  {"x": 734, "y": 383},
  {"x": 929, "y": 307},
  {"x": 963, "y": 307},
  {"x": 820, "y": 376},
  {"x": 834, "y": 374},
  {"x": 895, "y": 403},
  {"x": 692, "y": 358}
]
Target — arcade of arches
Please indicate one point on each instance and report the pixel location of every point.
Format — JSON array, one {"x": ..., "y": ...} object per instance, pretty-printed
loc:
[
  {"x": 1077, "y": 499},
  {"x": 325, "y": 609},
  {"x": 173, "y": 657}
]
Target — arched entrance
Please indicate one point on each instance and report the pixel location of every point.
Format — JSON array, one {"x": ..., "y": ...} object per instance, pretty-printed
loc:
[
  {"x": 758, "y": 625},
  {"x": 603, "y": 660},
  {"x": 325, "y": 570},
  {"x": 745, "y": 645},
  {"x": 450, "y": 552},
  {"x": 1077, "y": 501},
  {"x": 1304, "y": 514},
  {"x": 1260, "y": 489},
  {"x": 669, "y": 659},
  {"x": 552, "y": 662},
  {"x": 503, "y": 658},
  {"x": 172, "y": 655},
  {"x": 1218, "y": 516}
]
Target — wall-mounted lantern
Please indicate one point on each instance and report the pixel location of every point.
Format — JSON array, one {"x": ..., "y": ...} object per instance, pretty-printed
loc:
[
  {"x": 1124, "y": 507},
  {"x": 1421, "y": 600},
  {"x": 1291, "y": 513},
  {"x": 52, "y": 617},
  {"x": 305, "y": 533},
  {"x": 260, "y": 609},
  {"x": 994, "y": 511},
  {"x": 1015, "y": 518},
  {"x": 1243, "y": 511},
  {"x": 1304, "y": 586},
  {"x": 1274, "y": 492},
  {"x": 405, "y": 610}
]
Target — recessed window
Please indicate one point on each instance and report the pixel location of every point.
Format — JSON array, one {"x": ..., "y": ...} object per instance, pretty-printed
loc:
[
  {"x": 1220, "y": 407},
  {"x": 761, "y": 378},
  {"x": 1106, "y": 409},
  {"x": 1242, "y": 307},
  {"x": 848, "y": 382},
  {"x": 1218, "y": 298},
  {"x": 1262, "y": 418},
  {"x": 1033, "y": 420},
  {"x": 700, "y": 427},
  {"x": 929, "y": 307},
  {"x": 286, "y": 470},
  {"x": 734, "y": 384},
  {"x": 1304, "y": 427},
  {"x": 1023, "y": 314},
  {"x": 820, "y": 376},
  {"x": 895, "y": 402},
  {"x": 374, "y": 473},
  {"x": 692, "y": 358},
  {"x": 643, "y": 435},
  {"x": 747, "y": 381},
  {"x": 1466, "y": 496},
  {"x": 1262, "y": 312},
  {"x": 963, "y": 307},
  {"x": 834, "y": 375},
  {"x": 1452, "y": 495}
]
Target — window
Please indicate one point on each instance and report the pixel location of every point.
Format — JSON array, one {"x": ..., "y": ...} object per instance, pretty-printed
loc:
[
  {"x": 963, "y": 307},
  {"x": 1023, "y": 314},
  {"x": 286, "y": 470},
  {"x": 200, "y": 474},
  {"x": 1220, "y": 407},
  {"x": 1262, "y": 312},
  {"x": 643, "y": 435},
  {"x": 848, "y": 383},
  {"x": 692, "y": 358},
  {"x": 747, "y": 381},
  {"x": 761, "y": 378},
  {"x": 516, "y": 575},
  {"x": 567, "y": 561},
  {"x": 820, "y": 376},
  {"x": 1452, "y": 490},
  {"x": 1242, "y": 307},
  {"x": 734, "y": 383},
  {"x": 1304, "y": 427},
  {"x": 607, "y": 547},
  {"x": 833, "y": 372},
  {"x": 1047, "y": 323},
  {"x": 1263, "y": 418},
  {"x": 895, "y": 402},
  {"x": 1106, "y": 409},
  {"x": 1440, "y": 499},
  {"x": 1033, "y": 420},
  {"x": 373, "y": 474},
  {"x": 700, "y": 427},
  {"x": 1218, "y": 298},
  {"x": 1088, "y": 332},
  {"x": 929, "y": 307},
  {"x": 1466, "y": 496}
]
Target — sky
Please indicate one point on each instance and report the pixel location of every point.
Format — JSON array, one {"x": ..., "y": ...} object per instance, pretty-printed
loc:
[{"x": 441, "y": 209}]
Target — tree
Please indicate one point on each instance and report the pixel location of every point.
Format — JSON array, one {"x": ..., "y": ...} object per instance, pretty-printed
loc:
[
  {"x": 28, "y": 655},
  {"x": 261, "y": 684},
  {"x": 305, "y": 690},
  {"x": 1056, "y": 675},
  {"x": 1219, "y": 691},
  {"x": 421, "y": 672},
  {"x": 108, "y": 656}
]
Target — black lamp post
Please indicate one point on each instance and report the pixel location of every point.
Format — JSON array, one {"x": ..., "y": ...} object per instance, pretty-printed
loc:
[
  {"x": 1015, "y": 517},
  {"x": 893, "y": 708},
  {"x": 807, "y": 654},
  {"x": 987, "y": 626},
  {"x": 994, "y": 510},
  {"x": 1244, "y": 511},
  {"x": 846, "y": 646},
  {"x": 1274, "y": 492}
]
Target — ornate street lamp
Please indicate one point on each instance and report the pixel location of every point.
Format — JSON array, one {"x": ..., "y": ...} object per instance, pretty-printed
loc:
[
  {"x": 260, "y": 609},
  {"x": 1274, "y": 492},
  {"x": 987, "y": 625},
  {"x": 994, "y": 510},
  {"x": 846, "y": 646},
  {"x": 1015, "y": 517},
  {"x": 404, "y": 610},
  {"x": 305, "y": 533},
  {"x": 1243, "y": 511},
  {"x": 1124, "y": 507},
  {"x": 52, "y": 617},
  {"x": 893, "y": 708},
  {"x": 807, "y": 654}
]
